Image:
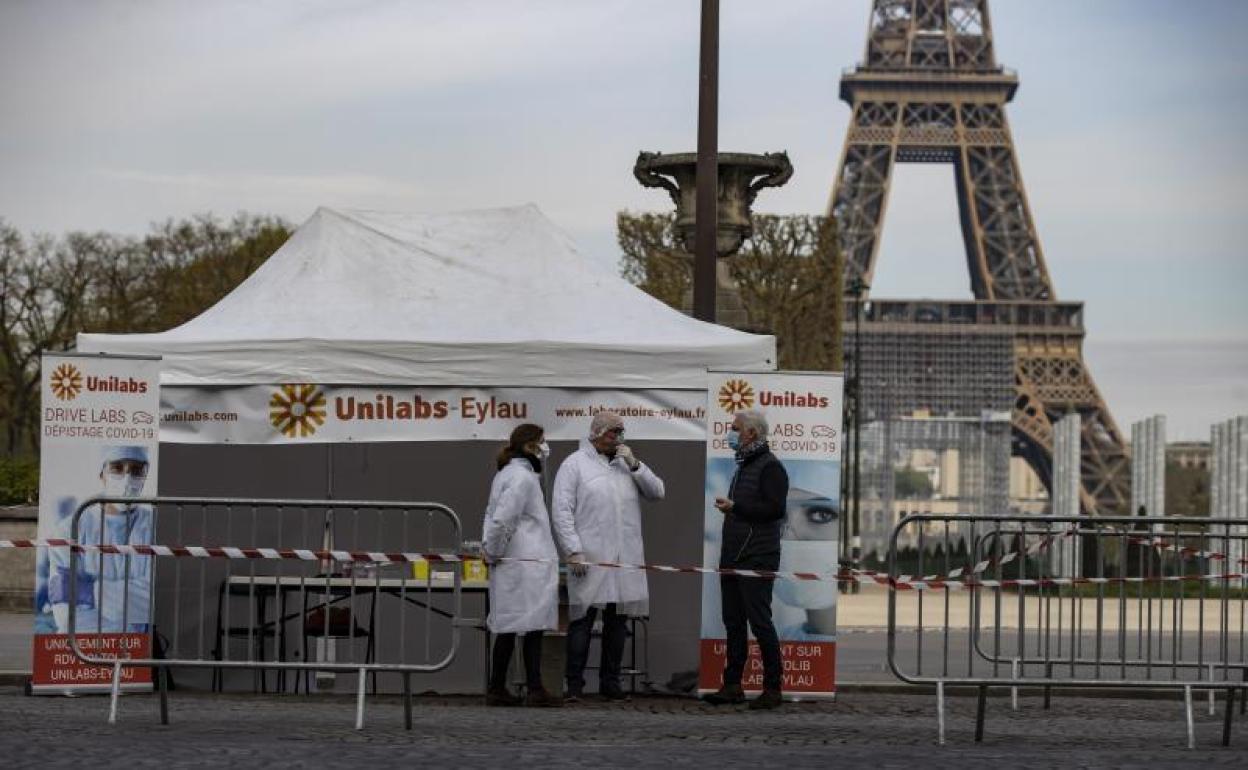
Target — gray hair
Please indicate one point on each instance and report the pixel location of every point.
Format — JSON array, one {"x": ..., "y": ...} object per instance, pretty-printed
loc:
[
  {"x": 603, "y": 422},
  {"x": 755, "y": 420}
]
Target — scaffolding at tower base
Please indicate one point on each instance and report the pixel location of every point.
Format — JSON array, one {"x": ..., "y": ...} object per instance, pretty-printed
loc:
[{"x": 936, "y": 420}]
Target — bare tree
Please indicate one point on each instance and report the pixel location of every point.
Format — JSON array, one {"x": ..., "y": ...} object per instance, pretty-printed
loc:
[
  {"x": 44, "y": 285},
  {"x": 52, "y": 289},
  {"x": 788, "y": 275}
]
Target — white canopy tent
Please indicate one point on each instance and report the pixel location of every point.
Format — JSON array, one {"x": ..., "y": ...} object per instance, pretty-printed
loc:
[
  {"x": 490, "y": 298},
  {"x": 417, "y": 318}
]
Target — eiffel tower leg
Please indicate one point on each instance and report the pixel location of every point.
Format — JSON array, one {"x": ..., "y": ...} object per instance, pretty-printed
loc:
[
  {"x": 1006, "y": 262},
  {"x": 860, "y": 195},
  {"x": 1052, "y": 381}
]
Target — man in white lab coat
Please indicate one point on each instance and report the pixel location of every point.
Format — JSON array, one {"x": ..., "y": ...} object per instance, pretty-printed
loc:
[{"x": 597, "y": 518}]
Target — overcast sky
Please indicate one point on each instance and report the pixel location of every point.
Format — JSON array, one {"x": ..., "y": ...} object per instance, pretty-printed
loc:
[{"x": 1129, "y": 125}]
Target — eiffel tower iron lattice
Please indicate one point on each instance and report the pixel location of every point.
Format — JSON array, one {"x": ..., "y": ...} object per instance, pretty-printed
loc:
[{"x": 930, "y": 91}]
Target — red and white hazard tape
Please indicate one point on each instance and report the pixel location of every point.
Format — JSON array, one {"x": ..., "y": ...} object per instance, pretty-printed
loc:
[
  {"x": 1165, "y": 545},
  {"x": 908, "y": 583},
  {"x": 376, "y": 557},
  {"x": 953, "y": 581},
  {"x": 871, "y": 576}
]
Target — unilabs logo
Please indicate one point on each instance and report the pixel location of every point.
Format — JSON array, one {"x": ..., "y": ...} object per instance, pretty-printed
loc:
[
  {"x": 115, "y": 384},
  {"x": 736, "y": 395},
  {"x": 297, "y": 410},
  {"x": 791, "y": 399},
  {"x": 385, "y": 407},
  {"x": 66, "y": 382}
]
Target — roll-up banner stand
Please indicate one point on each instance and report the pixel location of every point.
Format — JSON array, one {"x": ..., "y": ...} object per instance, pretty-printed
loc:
[
  {"x": 99, "y": 436},
  {"x": 803, "y": 411}
]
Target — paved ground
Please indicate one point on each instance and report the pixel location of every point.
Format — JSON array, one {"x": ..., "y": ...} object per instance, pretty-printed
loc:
[
  {"x": 884, "y": 730},
  {"x": 16, "y": 629}
]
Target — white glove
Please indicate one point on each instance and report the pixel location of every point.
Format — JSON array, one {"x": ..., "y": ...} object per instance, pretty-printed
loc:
[
  {"x": 626, "y": 454},
  {"x": 576, "y": 565}
]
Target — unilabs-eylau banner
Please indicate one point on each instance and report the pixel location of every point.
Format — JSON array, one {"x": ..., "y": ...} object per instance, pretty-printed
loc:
[
  {"x": 803, "y": 412},
  {"x": 100, "y": 435},
  {"x": 298, "y": 413}
]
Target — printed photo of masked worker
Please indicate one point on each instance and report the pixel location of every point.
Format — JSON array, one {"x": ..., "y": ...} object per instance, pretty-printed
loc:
[{"x": 114, "y": 590}]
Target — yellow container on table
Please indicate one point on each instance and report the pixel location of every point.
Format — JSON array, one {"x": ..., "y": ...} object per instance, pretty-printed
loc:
[{"x": 475, "y": 570}]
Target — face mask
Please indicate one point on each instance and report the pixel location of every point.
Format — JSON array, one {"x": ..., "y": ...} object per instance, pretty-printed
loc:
[
  {"x": 734, "y": 439},
  {"x": 543, "y": 450},
  {"x": 817, "y": 556},
  {"x": 122, "y": 485}
]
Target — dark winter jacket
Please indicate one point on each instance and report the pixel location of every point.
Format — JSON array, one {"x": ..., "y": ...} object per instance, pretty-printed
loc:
[{"x": 751, "y": 532}]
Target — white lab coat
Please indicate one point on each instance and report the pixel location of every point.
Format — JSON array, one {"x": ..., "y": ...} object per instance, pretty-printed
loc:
[
  {"x": 597, "y": 512},
  {"x": 524, "y": 596}
]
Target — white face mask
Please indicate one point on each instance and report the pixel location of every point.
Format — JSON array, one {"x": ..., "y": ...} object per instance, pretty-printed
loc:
[
  {"x": 122, "y": 485},
  {"x": 543, "y": 450},
  {"x": 818, "y": 556}
]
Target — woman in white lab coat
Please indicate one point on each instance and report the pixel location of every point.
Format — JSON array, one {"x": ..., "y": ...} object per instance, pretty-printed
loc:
[{"x": 524, "y": 595}]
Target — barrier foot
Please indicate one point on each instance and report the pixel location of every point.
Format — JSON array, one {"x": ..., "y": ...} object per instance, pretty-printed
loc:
[
  {"x": 359, "y": 700},
  {"x": 1226, "y": 721},
  {"x": 1048, "y": 690},
  {"x": 940, "y": 712},
  {"x": 162, "y": 682},
  {"x": 407, "y": 701},
  {"x": 979, "y": 714},
  {"x": 1014, "y": 690},
  {"x": 1213, "y": 708},
  {"x": 115, "y": 693},
  {"x": 1191, "y": 725}
]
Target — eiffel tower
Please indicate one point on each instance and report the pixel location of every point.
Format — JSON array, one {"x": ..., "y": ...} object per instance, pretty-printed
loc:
[{"x": 930, "y": 91}]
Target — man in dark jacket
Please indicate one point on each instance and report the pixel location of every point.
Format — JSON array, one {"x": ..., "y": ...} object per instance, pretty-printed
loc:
[{"x": 753, "y": 521}]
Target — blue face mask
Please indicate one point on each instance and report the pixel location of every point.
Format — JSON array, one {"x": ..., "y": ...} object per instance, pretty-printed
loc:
[{"x": 734, "y": 439}]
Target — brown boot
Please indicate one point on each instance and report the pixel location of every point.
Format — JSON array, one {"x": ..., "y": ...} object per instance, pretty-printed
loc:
[
  {"x": 728, "y": 695},
  {"x": 767, "y": 699},
  {"x": 501, "y": 698},
  {"x": 542, "y": 699}
]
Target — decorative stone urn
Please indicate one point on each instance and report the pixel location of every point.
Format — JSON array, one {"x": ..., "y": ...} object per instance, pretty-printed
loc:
[{"x": 741, "y": 176}]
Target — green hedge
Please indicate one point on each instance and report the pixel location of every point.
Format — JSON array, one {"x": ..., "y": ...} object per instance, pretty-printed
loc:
[{"x": 19, "y": 480}]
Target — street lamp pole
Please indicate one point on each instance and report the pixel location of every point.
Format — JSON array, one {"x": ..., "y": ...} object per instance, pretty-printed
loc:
[
  {"x": 706, "y": 210},
  {"x": 857, "y": 288}
]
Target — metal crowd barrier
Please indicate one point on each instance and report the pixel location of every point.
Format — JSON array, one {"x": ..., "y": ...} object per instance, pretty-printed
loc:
[
  {"x": 251, "y": 591},
  {"x": 1074, "y": 602}
]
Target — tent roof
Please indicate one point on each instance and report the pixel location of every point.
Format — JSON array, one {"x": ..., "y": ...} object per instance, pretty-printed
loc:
[{"x": 496, "y": 297}]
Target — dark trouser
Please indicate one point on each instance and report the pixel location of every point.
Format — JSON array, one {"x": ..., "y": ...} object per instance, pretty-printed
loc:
[
  {"x": 614, "y": 633},
  {"x": 504, "y": 644},
  {"x": 749, "y": 599}
]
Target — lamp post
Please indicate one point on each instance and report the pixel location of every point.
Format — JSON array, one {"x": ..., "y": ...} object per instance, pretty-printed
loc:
[
  {"x": 707, "y": 164},
  {"x": 712, "y": 191},
  {"x": 857, "y": 288}
]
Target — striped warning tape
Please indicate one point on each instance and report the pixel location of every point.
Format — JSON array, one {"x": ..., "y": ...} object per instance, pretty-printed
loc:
[
  {"x": 979, "y": 568},
  {"x": 953, "y": 581},
  {"x": 955, "y": 576},
  {"x": 908, "y": 583},
  {"x": 376, "y": 557}
]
